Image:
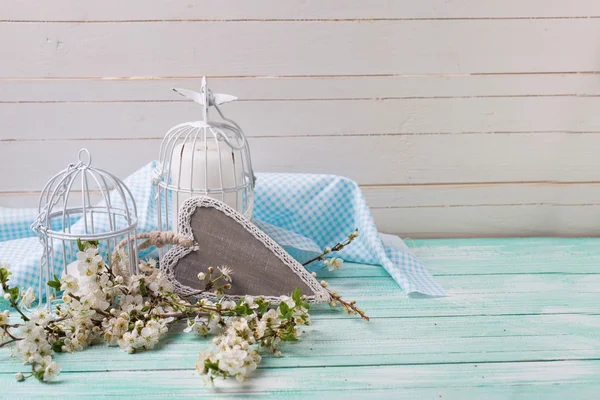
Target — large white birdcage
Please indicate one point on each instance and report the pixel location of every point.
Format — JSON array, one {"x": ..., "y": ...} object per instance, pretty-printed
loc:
[
  {"x": 87, "y": 204},
  {"x": 210, "y": 158}
]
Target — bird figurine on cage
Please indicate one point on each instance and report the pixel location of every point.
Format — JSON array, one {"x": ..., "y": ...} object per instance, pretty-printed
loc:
[
  {"x": 67, "y": 216},
  {"x": 206, "y": 157}
]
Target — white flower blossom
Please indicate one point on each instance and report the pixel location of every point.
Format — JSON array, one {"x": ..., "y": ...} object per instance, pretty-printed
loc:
[
  {"x": 41, "y": 317},
  {"x": 148, "y": 266},
  {"x": 334, "y": 263},
  {"x": 226, "y": 272},
  {"x": 228, "y": 304},
  {"x": 149, "y": 337},
  {"x": 52, "y": 370},
  {"x": 4, "y": 317},
  {"x": 90, "y": 261},
  {"x": 27, "y": 298},
  {"x": 69, "y": 284}
]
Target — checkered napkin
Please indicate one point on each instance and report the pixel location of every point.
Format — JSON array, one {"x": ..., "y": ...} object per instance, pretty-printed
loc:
[{"x": 304, "y": 213}]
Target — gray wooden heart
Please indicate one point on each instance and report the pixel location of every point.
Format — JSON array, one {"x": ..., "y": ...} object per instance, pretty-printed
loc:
[{"x": 260, "y": 266}]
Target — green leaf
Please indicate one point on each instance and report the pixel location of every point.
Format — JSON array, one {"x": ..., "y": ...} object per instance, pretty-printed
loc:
[
  {"x": 242, "y": 310},
  {"x": 84, "y": 245},
  {"x": 284, "y": 308},
  {"x": 262, "y": 308},
  {"x": 296, "y": 295},
  {"x": 14, "y": 293},
  {"x": 209, "y": 365},
  {"x": 55, "y": 283},
  {"x": 57, "y": 346},
  {"x": 4, "y": 274},
  {"x": 143, "y": 289}
]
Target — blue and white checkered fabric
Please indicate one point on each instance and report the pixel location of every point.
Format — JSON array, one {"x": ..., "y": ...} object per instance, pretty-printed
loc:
[{"x": 304, "y": 213}]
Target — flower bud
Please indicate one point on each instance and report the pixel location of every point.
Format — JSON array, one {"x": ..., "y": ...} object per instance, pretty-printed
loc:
[
  {"x": 327, "y": 250},
  {"x": 113, "y": 311},
  {"x": 6, "y": 296},
  {"x": 19, "y": 377},
  {"x": 139, "y": 323},
  {"x": 201, "y": 276},
  {"x": 211, "y": 270},
  {"x": 323, "y": 284},
  {"x": 119, "y": 279}
]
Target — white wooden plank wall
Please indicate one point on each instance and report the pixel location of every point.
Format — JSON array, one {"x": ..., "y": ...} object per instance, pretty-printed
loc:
[{"x": 458, "y": 118}]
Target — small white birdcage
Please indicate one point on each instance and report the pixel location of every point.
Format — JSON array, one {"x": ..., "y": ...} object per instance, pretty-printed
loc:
[
  {"x": 210, "y": 158},
  {"x": 85, "y": 203}
]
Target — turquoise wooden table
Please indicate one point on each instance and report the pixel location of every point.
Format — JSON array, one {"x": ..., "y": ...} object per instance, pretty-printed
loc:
[{"x": 522, "y": 321}]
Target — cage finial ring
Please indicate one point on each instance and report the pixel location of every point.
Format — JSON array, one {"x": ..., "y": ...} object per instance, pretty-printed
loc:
[{"x": 82, "y": 161}]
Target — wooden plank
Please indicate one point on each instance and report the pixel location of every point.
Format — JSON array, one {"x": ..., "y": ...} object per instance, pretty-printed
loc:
[
  {"x": 460, "y": 304},
  {"x": 399, "y": 159},
  {"x": 334, "y": 343},
  {"x": 298, "y": 48},
  {"x": 301, "y": 88},
  {"x": 469, "y": 296},
  {"x": 483, "y": 194},
  {"x": 136, "y": 10},
  {"x": 506, "y": 256},
  {"x": 433, "y": 195},
  {"x": 516, "y": 380},
  {"x": 494, "y": 220},
  {"x": 478, "y": 284},
  {"x": 305, "y": 118}
]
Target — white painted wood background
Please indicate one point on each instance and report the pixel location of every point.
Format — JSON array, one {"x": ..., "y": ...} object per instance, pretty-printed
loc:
[{"x": 457, "y": 117}]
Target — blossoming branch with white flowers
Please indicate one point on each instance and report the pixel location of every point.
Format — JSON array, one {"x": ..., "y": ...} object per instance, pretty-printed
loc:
[{"x": 135, "y": 311}]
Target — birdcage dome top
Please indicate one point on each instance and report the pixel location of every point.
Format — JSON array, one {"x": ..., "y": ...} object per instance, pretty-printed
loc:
[
  {"x": 84, "y": 202},
  {"x": 203, "y": 136}
]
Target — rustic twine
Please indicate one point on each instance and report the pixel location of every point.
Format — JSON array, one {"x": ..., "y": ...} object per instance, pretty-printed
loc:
[{"x": 155, "y": 238}]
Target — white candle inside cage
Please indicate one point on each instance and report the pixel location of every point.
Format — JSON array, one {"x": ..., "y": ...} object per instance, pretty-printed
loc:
[{"x": 207, "y": 169}]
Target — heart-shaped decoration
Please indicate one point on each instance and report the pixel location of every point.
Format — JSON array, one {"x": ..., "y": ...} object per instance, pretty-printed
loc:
[{"x": 260, "y": 266}]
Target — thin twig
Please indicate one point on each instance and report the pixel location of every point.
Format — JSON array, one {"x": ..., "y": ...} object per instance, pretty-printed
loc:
[
  {"x": 10, "y": 341},
  {"x": 348, "y": 305},
  {"x": 339, "y": 246}
]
